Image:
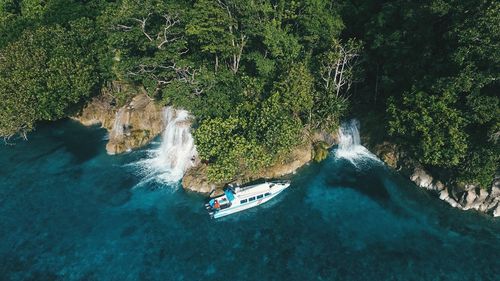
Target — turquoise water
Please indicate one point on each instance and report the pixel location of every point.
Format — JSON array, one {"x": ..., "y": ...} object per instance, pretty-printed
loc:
[{"x": 68, "y": 211}]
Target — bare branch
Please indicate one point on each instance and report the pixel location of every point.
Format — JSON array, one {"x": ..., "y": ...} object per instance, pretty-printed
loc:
[
  {"x": 124, "y": 27},
  {"x": 170, "y": 21},
  {"x": 143, "y": 25},
  {"x": 337, "y": 68}
]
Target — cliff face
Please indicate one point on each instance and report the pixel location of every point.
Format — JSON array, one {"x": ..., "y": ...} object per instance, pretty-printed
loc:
[{"x": 129, "y": 126}]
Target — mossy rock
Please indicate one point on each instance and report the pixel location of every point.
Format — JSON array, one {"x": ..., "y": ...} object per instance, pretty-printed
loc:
[
  {"x": 139, "y": 137},
  {"x": 320, "y": 151}
]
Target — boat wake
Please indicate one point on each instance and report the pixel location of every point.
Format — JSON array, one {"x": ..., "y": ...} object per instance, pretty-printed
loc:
[{"x": 350, "y": 147}]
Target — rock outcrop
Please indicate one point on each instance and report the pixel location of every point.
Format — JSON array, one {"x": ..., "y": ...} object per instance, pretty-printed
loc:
[
  {"x": 140, "y": 120},
  {"x": 196, "y": 178},
  {"x": 129, "y": 126},
  {"x": 388, "y": 153},
  {"x": 468, "y": 197}
]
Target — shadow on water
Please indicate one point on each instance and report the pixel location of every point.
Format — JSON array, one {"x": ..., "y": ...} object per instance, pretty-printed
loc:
[
  {"x": 82, "y": 143},
  {"x": 365, "y": 181}
]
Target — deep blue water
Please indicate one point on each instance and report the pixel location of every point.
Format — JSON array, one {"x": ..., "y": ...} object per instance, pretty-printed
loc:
[{"x": 68, "y": 211}]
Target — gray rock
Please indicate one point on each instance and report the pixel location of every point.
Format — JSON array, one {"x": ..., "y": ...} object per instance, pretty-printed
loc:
[
  {"x": 496, "y": 212},
  {"x": 469, "y": 187},
  {"x": 439, "y": 186},
  {"x": 495, "y": 191},
  {"x": 444, "y": 195},
  {"x": 491, "y": 204},
  {"x": 482, "y": 202},
  {"x": 422, "y": 178},
  {"x": 470, "y": 198}
]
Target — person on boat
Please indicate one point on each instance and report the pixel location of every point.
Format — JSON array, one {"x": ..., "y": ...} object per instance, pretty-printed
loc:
[{"x": 216, "y": 205}]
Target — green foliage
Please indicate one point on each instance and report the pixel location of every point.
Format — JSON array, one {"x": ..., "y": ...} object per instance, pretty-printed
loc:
[
  {"x": 337, "y": 69},
  {"x": 295, "y": 90},
  {"x": 433, "y": 66},
  {"x": 145, "y": 43},
  {"x": 247, "y": 70},
  {"x": 220, "y": 141},
  {"x": 16, "y": 16},
  {"x": 42, "y": 75},
  {"x": 33, "y": 8},
  {"x": 209, "y": 26},
  {"x": 434, "y": 124},
  {"x": 319, "y": 23},
  {"x": 480, "y": 166},
  {"x": 275, "y": 127},
  {"x": 280, "y": 43}
]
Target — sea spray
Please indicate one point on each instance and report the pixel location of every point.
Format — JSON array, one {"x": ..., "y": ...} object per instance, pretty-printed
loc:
[
  {"x": 349, "y": 147},
  {"x": 176, "y": 152}
]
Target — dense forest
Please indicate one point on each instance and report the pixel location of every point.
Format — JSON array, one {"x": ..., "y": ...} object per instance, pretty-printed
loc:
[{"x": 259, "y": 76}]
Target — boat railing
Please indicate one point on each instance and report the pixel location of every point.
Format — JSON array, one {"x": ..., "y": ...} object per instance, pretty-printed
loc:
[
  {"x": 243, "y": 188},
  {"x": 281, "y": 181}
]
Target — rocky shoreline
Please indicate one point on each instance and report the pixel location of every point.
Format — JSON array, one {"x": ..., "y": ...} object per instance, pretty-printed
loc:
[
  {"x": 468, "y": 197},
  {"x": 129, "y": 126},
  {"x": 195, "y": 179},
  {"x": 140, "y": 120}
]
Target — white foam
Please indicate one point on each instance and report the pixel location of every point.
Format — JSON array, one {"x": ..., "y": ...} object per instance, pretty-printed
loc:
[
  {"x": 168, "y": 163},
  {"x": 350, "y": 147}
]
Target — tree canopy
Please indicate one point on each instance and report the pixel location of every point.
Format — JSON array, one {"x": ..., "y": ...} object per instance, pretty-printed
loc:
[
  {"x": 43, "y": 74},
  {"x": 433, "y": 67},
  {"x": 258, "y": 75}
]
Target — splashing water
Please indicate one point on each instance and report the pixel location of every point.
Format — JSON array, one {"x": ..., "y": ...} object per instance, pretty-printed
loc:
[
  {"x": 176, "y": 153},
  {"x": 350, "y": 147},
  {"x": 349, "y": 135}
]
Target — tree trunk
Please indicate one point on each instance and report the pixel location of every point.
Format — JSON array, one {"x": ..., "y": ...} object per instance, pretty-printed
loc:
[{"x": 216, "y": 62}]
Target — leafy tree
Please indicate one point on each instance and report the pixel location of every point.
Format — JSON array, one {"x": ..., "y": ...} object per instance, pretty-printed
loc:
[
  {"x": 278, "y": 130},
  {"x": 33, "y": 8},
  {"x": 480, "y": 166},
  {"x": 318, "y": 22},
  {"x": 146, "y": 44},
  {"x": 433, "y": 126},
  {"x": 295, "y": 90},
  {"x": 220, "y": 142},
  {"x": 210, "y": 26},
  {"x": 446, "y": 52},
  {"x": 281, "y": 43},
  {"x": 42, "y": 75}
]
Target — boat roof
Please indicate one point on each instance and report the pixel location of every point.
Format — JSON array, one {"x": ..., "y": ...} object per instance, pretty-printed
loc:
[{"x": 253, "y": 189}]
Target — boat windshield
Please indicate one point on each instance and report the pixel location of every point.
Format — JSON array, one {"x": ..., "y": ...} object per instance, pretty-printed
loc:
[{"x": 229, "y": 195}]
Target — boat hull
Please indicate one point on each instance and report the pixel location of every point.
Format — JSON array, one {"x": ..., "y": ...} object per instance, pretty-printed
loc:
[{"x": 246, "y": 206}]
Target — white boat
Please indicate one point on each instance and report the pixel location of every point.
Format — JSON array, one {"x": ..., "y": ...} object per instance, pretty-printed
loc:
[{"x": 237, "y": 199}]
